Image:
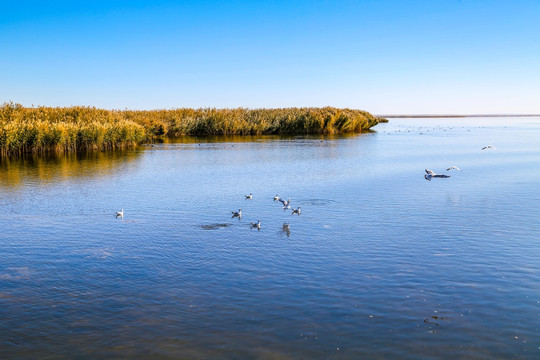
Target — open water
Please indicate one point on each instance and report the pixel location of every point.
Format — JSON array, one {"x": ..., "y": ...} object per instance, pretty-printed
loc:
[{"x": 380, "y": 264}]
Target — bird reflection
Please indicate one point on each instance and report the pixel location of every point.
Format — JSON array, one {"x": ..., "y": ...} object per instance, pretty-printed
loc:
[{"x": 286, "y": 229}]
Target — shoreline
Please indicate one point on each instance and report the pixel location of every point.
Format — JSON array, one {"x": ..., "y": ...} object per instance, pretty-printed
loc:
[{"x": 456, "y": 116}]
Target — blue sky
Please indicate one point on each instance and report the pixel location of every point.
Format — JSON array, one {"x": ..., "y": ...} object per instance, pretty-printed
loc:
[{"x": 386, "y": 57}]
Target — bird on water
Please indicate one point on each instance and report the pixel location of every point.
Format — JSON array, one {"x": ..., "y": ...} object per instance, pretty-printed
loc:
[
  {"x": 430, "y": 175},
  {"x": 256, "y": 225}
]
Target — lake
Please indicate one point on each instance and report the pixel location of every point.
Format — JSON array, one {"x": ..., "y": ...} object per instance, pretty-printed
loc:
[{"x": 380, "y": 264}]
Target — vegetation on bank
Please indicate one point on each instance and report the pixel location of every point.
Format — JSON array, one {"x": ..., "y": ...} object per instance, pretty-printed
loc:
[{"x": 76, "y": 128}]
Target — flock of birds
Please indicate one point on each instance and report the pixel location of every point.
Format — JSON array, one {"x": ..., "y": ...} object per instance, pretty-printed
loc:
[
  {"x": 257, "y": 225},
  {"x": 238, "y": 214},
  {"x": 287, "y": 203},
  {"x": 430, "y": 174}
]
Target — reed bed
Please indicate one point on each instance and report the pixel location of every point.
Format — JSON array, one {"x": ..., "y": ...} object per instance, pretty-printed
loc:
[{"x": 44, "y": 129}]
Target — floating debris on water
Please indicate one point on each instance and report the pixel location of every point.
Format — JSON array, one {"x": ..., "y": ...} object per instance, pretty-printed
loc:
[{"x": 430, "y": 321}]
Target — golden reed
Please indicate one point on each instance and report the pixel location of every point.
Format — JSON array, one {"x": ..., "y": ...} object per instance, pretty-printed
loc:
[{"x": 44, "y": 129}]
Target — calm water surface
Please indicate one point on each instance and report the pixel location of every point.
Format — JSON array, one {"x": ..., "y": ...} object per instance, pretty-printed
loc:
[{"x": 381, "y": 264}]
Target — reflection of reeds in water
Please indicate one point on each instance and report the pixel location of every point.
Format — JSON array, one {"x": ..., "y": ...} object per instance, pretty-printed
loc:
[
  {"x": 44, "y": 129},
  {"x": 41, "y": 168}
]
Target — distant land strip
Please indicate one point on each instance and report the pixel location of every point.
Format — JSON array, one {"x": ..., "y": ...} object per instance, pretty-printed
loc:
[
  {"x": 63, "y": 129},
  {"x": 456, "y": 116}
]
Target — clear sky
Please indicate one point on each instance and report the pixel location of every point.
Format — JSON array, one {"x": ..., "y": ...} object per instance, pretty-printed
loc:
[{"x": 386, "y": 57}]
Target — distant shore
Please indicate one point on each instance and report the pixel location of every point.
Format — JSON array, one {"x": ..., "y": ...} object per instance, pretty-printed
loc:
[
  {"x": 56, "y": 129},
  {"x": 457, "y": 116}
]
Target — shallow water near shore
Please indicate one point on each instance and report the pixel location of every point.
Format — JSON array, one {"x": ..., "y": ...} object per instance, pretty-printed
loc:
[{"x": 381, "y": 264}]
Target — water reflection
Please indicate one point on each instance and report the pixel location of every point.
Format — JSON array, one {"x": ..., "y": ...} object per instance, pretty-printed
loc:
[
  {"x": 324, "y": 146},
  {"x": 15, "y": 273},
  {"x": 45, "y": 169},
  {"x": 318, "y": 202},
  {"x": 376, "y": 252},
  {"x": 215, "y": 226},
  {"x": 286, "y": 230},
  {"x": 258, "y": 138}
]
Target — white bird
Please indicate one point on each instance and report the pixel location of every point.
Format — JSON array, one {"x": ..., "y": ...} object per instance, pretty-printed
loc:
[
  {"x": 488, "y": 147},
  {"x": 249, "y": 197},
  {"x": 256, "y": 225},
  {"x": 276, "y": 198},
  {"x": 120, "y": 213},
  {"x": 296, "y": 211},
  {"x": 286, "y": 203},
  {"x": 430, "y": 174},
  {"x": 453, "y": 167},
  {"x": 237, "y": 213}
]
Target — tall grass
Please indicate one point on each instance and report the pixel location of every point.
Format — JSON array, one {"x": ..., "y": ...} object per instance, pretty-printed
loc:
[
  {"x": 41, "y": 129},
  {"x": 242, "y": 121}
]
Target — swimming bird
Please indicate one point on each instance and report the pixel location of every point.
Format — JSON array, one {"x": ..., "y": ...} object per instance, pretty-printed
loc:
[
  {"x": 296, "y": 211},
  {"x": 237, "y": 214},
  {"x": 276, "y": 198},
  {"x": 120, "y": 213},
  {"x": 430, "y": 174},
  {"x": 249, "y": 197},
  {"x": 256, "y": 225},
  {"x": 488, "y": 147},
  {"x": 453, "y": 167}
]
